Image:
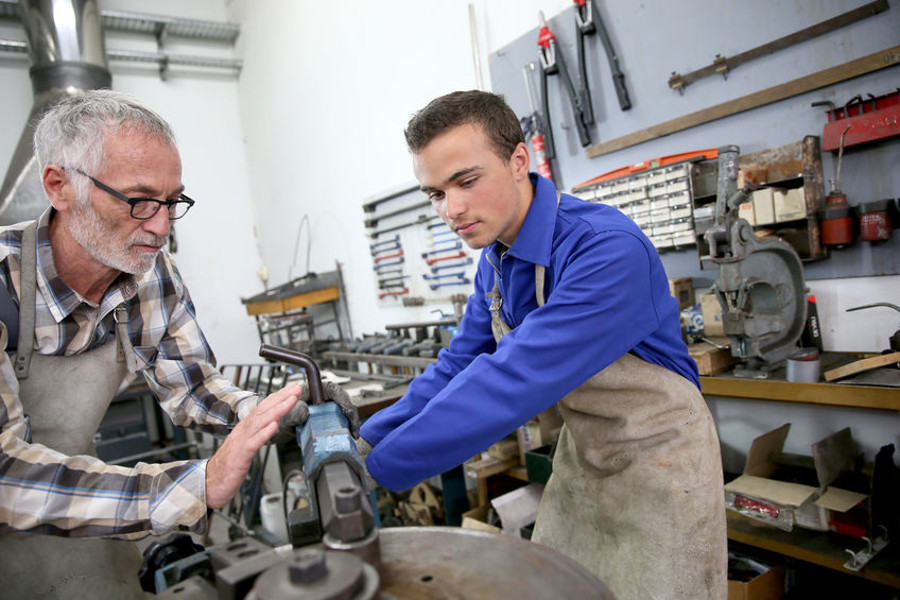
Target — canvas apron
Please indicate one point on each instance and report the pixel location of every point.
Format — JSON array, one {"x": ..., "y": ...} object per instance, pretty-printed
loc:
[
  {"x": 66, "y": 398},
  {"x": 636, "y": 493}
]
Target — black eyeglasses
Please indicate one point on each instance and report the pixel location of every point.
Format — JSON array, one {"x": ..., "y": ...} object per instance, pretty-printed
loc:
[{"x": 144, "y": 208}]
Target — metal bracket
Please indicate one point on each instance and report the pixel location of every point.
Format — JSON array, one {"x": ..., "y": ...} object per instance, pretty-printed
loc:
[{"x": 862, "y": 557}]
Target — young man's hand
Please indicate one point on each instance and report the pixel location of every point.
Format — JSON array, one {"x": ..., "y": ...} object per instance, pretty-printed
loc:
[
  {"x": 226, "y": 470},
  {"x": 300, "y": 412}
]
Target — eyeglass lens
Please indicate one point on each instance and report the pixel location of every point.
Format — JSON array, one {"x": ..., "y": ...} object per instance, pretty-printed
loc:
[{"x": 144, "y": 209}]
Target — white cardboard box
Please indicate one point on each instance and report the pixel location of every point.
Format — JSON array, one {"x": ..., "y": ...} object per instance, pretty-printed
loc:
[
  {"x": 789, "y": 205},
  {"x": 764, "y": 206},
  {"x": 758, "y": 495},
  {"x": 712, "y": 315}
]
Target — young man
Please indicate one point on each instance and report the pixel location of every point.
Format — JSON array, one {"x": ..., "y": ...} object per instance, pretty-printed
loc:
[
  {"x": 571, "y": 306},
  {"x": 89, "y": 295}
]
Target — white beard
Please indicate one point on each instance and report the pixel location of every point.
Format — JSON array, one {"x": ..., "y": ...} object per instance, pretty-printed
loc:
[{"x": 106, "y": 245}]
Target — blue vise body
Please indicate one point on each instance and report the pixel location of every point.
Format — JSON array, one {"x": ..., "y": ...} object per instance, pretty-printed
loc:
[{"x": 325, "y": 438}]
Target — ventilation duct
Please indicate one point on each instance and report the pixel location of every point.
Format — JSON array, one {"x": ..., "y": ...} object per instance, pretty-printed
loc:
[{"x": 67, "y": 51}]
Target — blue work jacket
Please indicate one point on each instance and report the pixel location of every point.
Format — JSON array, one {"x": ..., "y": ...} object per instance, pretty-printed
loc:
[{"x": 606, "y": 294}]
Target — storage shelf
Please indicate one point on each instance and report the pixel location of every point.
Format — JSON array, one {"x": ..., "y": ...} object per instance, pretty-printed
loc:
[
  {"x": 776, "y": 387},
  {"x": 822, "y": 548},
  {"x": 825, "y": 394},
  {"x": 825, "y": 549}
]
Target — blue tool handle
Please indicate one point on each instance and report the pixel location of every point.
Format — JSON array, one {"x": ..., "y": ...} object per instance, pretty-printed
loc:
[{"x": 292, "y": 357}]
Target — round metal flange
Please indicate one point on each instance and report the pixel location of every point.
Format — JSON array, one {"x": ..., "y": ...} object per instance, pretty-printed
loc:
[{"x": 448, "y": 562}]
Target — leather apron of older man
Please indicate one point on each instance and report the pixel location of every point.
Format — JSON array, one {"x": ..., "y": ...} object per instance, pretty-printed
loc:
[
  {"x": 38, "y": 566},
  {"x": 635, "y": 493}
]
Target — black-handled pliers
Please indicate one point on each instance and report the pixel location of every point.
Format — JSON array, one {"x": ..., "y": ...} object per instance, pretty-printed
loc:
[
  {"x": 552, "y": 63},
  {"x": 589, "y": 22}
]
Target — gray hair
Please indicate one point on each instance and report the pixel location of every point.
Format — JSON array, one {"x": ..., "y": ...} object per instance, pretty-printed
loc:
[{"x": 72, "y": 133}]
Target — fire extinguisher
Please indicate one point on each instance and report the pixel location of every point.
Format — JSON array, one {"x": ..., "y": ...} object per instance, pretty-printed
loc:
[{"x": 540, "y": 153}]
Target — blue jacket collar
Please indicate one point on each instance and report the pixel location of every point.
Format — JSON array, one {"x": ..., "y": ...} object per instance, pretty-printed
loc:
[{"x": 535, "y": 238}]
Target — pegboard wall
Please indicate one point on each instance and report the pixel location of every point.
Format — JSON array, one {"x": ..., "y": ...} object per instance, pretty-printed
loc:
[
  {"x": 416, "y": 259},
  {"x": 654, "y": 38}
]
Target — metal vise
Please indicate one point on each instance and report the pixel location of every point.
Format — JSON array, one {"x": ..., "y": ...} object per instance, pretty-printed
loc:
[
  {"x": 332, "y": 520},
  {"x": 760, "y": 286},
  {"x": 337, "y": 510}
]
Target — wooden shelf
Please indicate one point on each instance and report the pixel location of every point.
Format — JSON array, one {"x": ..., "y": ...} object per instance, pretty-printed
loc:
[
  {"x": 824, "y": 394},
  {"x": 822, "y": 548}
]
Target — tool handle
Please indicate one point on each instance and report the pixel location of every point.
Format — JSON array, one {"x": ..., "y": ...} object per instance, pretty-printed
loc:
[
  {"x": 584, "y": 136},
  {"x": 621, "y": 90},
  {"x": 585, "y": 87},
  {"x": 545, "y": 108},
  {"x": 292, "y": 357},
  {"x": 459, "y": 254},
  {"x": 613, "y": 58}
]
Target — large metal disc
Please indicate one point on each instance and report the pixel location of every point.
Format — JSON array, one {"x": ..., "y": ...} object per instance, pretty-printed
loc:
[{"x": 425, "y": 563}]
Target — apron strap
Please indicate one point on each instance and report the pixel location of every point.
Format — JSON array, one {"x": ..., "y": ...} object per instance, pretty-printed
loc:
[
  {"x": 539, "y": 272},
  {"x": 499, "y": 327},
  {"x": 124, "y": 349},
  {"x": 28, "y": 283}
]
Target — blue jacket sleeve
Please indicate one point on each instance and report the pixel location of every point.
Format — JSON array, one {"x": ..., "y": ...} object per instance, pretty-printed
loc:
[
  {"x": 599, "y": 308},
  {"x": 473, "y": 338}
]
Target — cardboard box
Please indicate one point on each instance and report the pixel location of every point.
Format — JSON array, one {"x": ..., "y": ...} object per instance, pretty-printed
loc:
[
  {"x": 768, "y": 490},
  {"x": 504, "y": 449},
  {"x": 764, "y": 206},
  {"x": 683, "y": 290},
  {"x": 477, "y": 519},
  {"x": 711, "y": 360},
  {"x": 752, "y": 580},
  {"x": 518, "y": 508},
  {"x": 790, "y": 205},
  {"x": 712, "y": 315}
]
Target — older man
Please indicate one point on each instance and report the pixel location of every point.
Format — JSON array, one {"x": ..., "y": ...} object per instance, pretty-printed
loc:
[
  {"x": 571, "y": 306},
  {"x": 98, "y": 298}
]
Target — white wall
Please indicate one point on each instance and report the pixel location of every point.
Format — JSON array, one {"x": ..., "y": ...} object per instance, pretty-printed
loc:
[{"x": 325, "y": 94}]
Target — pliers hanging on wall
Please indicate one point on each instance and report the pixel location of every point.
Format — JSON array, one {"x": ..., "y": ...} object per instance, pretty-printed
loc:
[
  {"x": 552, "y": 63},
  {"x": 589, "y": 22}
]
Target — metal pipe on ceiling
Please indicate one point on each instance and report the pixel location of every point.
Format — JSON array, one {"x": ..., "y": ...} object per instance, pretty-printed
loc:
[{"x": 68, "y": 54}]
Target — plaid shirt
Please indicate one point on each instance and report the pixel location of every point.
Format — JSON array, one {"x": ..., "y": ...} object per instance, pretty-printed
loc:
[{"x": 43, "y": 491}]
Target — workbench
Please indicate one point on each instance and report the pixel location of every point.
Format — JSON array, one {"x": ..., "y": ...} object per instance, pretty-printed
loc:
[{"x": 282, "y": 316}]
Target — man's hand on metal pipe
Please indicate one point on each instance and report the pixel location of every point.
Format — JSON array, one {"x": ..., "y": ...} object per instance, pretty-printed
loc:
[
  {"x": 226, "y": 470},
  {"x": 300, "y": 412}
]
